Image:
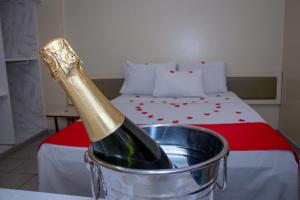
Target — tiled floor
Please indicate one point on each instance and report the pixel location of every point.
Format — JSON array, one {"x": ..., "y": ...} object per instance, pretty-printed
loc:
[
  {"x": 4, "y": 148},
  {"x": 18, "y": 167},
  {"x": 20, "y": 138}
]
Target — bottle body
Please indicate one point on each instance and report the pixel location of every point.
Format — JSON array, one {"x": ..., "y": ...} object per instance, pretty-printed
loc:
[
  {"x": 115, "y": 139},
  {"x": 130, "y": 147}
]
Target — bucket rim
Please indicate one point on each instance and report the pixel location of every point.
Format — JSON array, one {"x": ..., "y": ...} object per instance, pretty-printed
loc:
[{"x": 223, "y": 153}]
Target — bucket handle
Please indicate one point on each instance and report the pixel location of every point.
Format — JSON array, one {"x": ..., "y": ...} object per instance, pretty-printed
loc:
[
  {"x": 224, "y": 181},
  {"x": 98, "y": 186}
]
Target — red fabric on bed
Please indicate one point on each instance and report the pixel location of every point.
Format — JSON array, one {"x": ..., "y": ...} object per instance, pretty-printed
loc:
[
  {"x": 73, "y": 135},
  {"x": 250, "y": 136},
  {"x": 240, "y": 136}
]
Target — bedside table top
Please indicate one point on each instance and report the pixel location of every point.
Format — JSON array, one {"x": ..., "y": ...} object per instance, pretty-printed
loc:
[{"x": 67, "y": 111}]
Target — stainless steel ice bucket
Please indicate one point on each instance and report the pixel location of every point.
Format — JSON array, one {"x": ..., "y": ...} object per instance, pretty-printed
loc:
[{"x": 196, "y": 154}]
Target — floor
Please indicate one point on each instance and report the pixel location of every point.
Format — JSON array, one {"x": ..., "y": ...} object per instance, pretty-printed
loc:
[
  {"x": 20, "y": 138},
  {"x": 18, "y": 166}
]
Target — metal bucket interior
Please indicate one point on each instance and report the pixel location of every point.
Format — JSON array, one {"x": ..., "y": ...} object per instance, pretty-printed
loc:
[{"x": 195, "y": 152}]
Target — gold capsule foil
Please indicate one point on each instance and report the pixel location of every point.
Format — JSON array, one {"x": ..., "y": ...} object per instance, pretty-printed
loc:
[{"x": 99, "y": 116}]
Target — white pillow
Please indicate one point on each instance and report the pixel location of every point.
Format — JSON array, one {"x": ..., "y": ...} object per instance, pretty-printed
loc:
[
  {"x": 139, "y": 78},
  {"x": 214, "y": 78},
  {"x": 170, "y": 83}
]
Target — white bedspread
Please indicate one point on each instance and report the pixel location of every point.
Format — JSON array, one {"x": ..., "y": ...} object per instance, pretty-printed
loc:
[
  {"x": 214, "y": 109},
  {"x": 252, "y": 175}
]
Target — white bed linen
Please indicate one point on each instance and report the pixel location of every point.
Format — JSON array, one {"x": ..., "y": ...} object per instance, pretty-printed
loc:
[
  {"x": 252, "y": 175},
  {"x": 213, "y": 109}
]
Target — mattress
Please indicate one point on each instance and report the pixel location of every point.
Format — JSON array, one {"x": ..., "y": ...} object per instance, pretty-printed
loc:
[{"x": 252, "y": 174}]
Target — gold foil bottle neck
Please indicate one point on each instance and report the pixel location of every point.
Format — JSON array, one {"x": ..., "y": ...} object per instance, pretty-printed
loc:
[{"x": 99, "y": 116}]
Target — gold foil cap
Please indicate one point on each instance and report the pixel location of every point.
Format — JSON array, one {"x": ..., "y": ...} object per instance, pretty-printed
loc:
[
  {"x": 99, "y": 116},
  {"x": 60, "y": 58}
]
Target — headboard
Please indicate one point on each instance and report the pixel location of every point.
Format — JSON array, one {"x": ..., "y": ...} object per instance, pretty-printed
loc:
[
  {"x": 109, "y": 87},
  {"x": 254, "y": 89}
]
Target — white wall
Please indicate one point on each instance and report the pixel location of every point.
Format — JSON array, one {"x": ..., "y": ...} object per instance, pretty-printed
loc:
[
  {"x": 269, "y": 112},
  {"x": 246, "y": 34},
  {"x": 50, "y": 25},
  {"x": 290, "y": 109}
]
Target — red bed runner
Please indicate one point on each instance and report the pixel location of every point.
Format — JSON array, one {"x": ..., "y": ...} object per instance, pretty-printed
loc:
[{"x": 241, "y": 136}]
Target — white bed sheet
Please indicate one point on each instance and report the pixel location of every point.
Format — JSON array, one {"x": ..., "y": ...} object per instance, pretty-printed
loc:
[
  {"x": 252, "y": 175},
  {"x": 213, "y": 109}
]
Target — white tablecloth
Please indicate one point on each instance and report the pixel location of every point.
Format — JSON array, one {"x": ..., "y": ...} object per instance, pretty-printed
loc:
[{"x": 8, "y": 194}]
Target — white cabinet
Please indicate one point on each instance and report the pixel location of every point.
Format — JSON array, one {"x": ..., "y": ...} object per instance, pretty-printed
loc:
[
  {"x": 20, "y": 74},
  {"x": 7, "y": 135},
  {"x": 19, "y": 22}
]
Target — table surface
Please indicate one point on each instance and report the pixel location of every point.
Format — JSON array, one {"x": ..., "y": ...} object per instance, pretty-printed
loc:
[
  {"x": 9, "y": 194},
  {"x": 67, "y": 111}
]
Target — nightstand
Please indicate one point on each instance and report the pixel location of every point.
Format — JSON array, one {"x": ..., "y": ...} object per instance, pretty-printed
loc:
[{"x": 68, "y": 112}]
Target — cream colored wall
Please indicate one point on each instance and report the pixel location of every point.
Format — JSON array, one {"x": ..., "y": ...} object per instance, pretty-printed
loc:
[
  {"x": 247, "y": 35},
  {"x": 50, "y": 25},
  {"x": 290, "y": 109},
  {"x": 270, "y": 113}
]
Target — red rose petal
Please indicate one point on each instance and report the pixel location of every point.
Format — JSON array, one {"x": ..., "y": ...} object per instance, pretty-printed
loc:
[
  {"x": 184, "y": 103},
  {"x": 177, "y": 106},
  {"x": 160, "y": 119},
  {"x": 139, "y": 109},
  {"x": 172, "y": 71},
  {"x": 242, "y": 120},
  {"x": 189, "y": 117},
  {"x": 137, "y": 96},
  {"x": 150, "y": 116},
  {"x": 206, "y": 114},
  {"x": 238, "y": 112},
  {"x": 144, "y": 113},
  {"x": 218, "y": 107},
  {"x": 175, "y": 121},
  {"x": 217, "y": 104}
]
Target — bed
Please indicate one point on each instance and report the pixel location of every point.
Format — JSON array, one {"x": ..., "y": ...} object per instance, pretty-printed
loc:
[
  {"x": 253, "y": 173},
  {"x": 261, "y": 165}
]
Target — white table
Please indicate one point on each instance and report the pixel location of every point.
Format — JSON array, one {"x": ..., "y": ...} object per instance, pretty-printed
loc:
[{"x": 8, "y": 194}]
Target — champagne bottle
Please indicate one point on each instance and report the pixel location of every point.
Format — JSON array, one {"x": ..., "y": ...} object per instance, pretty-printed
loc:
[{"x": 115, "y": 139}]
